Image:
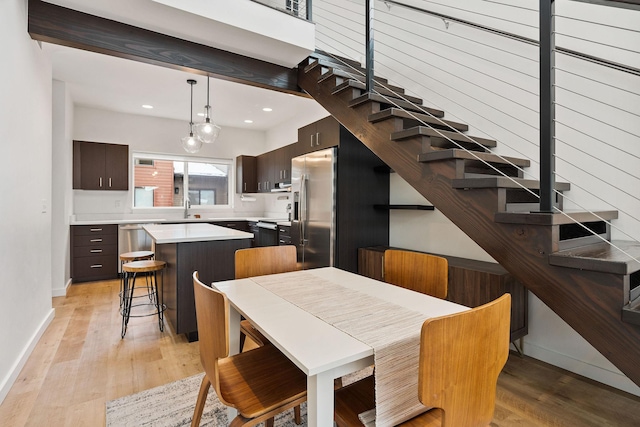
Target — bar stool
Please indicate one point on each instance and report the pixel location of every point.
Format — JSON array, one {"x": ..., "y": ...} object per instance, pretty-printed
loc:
[
  {"x": 129, "y": 257},
  {"x": 130, "y": 271}
]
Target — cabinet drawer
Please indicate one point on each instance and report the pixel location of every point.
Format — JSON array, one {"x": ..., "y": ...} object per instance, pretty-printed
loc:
[
  {"x": 95, "y": 267},
  {"x": 92, "y": 230},
  {"x": 284, "y": 240},
  {"x": 95, "y": 250},
  {"x": 284, "y": 231},
  {"x": 97, "y": 240}
]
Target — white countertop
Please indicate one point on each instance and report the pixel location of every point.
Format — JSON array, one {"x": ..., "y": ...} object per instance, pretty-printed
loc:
[
  {"x": 190, "y": 220},
  {"x": 190, "y": 232}
]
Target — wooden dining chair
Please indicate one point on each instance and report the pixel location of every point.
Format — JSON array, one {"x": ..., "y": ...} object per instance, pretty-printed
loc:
[
  {"x": 259, "y": 383},
  {"x": 420, "y": 272},
  {"x": 461, "y": 356},
  {"x": 260, "y": 261}
]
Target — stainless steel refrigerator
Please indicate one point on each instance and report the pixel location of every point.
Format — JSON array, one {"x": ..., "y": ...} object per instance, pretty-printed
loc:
[{"x": 313, "y": 222}]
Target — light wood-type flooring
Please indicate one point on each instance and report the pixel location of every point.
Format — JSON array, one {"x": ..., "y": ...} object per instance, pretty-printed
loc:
[{"x": 81, "y": 363}]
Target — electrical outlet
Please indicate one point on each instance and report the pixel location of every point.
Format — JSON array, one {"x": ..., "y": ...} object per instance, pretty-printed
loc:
[
  {"x": 44, "y": 206},
  {"x": 117, "y": 203}
]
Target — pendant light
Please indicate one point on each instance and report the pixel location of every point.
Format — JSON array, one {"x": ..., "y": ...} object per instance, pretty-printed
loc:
[
  {"x": 207, "y": 131},
  {"x": 191, "y": 144}
]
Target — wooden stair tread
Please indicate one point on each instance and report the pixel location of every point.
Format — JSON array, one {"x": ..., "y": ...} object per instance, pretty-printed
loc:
[
  {"x": 351, "y": 83},
  {"x": 346, "y": 68},
  {"x": 601, "y": 257},
  {"x": 490, "y": 181},
  {"x": 445, "y": 134},
  {"x": 557, "y": 218},
  {"x": 352, "y": 74},
  {"x": 319, "y": 54},
  {"x": 391, "y": 113},
  {"x": 456, "y": 153},
  {"x": 374, "y": 97}
]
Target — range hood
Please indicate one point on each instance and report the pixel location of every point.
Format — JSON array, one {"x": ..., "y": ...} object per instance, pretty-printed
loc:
[{"x": 281, "y": 188}]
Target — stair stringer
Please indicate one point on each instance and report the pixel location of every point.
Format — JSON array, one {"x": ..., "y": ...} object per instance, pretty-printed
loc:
[{"x": 590, "y": 302}]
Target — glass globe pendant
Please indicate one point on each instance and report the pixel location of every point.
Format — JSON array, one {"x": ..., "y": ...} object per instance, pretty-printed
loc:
[
  {"x": 207, "y": 131},
  {"x": 190, "y": 143}
]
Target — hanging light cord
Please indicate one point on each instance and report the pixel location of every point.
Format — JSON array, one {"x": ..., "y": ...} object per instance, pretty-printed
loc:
[{"x": 191, "y": 118}]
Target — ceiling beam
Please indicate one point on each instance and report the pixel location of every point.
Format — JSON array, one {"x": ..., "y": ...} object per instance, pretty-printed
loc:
[{"x": 59, "y": 25}]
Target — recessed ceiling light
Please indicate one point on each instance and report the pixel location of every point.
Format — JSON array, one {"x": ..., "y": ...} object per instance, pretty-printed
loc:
[
  {"x": 267, "y": 109},
  {"x": 248, "y": 121},
  {"x": 147, "y": 106}
]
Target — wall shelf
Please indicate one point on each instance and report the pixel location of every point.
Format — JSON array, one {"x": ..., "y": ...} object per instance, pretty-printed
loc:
[{"x": 406, "y": 207}]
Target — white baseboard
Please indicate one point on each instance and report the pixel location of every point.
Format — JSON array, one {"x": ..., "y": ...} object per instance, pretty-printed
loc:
[
  {"x": 13, "y": 373},
  {"x": 61, "y": 292},
  {"x": 613, "y": 378}
]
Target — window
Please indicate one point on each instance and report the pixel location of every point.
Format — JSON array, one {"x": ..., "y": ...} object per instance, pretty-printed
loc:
[{"x": 163, "y": 181}]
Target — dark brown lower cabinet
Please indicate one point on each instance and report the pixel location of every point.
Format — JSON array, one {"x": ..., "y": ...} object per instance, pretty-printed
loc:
[
  {"x": 471, "y": 283},
  {"x": 94, "y": 252}
]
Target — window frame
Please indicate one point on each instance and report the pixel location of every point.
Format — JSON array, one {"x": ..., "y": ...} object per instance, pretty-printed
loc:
[{"x": 186, "y": 159}]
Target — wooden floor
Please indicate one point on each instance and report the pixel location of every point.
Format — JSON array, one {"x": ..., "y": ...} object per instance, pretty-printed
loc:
[{"x": 81, "y": 363}]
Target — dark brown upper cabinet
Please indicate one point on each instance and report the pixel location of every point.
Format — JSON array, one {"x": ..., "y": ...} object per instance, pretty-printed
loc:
[
  {"x": 246, "y": 178},
  {"x": 324, "y": 133},
  {"x": 99, "y": 166}
]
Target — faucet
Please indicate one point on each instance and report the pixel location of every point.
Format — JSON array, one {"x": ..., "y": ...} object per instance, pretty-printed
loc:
[{"x": 187, "y": 205}]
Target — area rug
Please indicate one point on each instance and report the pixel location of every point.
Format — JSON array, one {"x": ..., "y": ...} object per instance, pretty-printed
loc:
[{"x": 171, "y": 405}]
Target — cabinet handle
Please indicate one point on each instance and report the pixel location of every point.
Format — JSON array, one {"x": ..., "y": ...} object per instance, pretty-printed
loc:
[
  {"x": 259, "y": 184},
  {"x": 245, "y": 186},
  {"x": 96, "y": 266},
  {"x": 100, "y": 182},
  {"x": 93, "y": 230},
  {"x": 96, "y": 251},
  {"x": 95, "y": 240},
  {"x": 284, "y": 172},
  {"x": 312, "y": 140},
  {"x": 318, "y": 138},
  {"x": 109, "y": 182}
]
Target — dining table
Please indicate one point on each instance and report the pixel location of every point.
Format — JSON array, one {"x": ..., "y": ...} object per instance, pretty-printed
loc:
[{"x": 331, "y": 323}]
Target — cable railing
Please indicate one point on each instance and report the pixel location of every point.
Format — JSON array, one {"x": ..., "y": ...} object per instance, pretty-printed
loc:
[{"x": 488, "y": 77}]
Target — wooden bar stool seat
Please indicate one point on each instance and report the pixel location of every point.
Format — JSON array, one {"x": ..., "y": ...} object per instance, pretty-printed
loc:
[
  {"x": 130, "y": 271},
  {"x": 129, "y": 257}
]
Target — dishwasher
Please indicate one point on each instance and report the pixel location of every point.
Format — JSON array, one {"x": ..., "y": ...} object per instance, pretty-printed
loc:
[{"x": 131, "y": 238}]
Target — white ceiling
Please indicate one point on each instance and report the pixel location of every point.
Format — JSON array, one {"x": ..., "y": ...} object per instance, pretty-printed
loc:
[{"x": 116, "y": 84}]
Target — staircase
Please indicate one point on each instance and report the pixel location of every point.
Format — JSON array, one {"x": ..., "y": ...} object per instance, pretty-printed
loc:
[{"x": 562, "y": 257}]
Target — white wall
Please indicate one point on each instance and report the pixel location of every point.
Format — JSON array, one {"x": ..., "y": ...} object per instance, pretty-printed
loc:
[
  {"x": 62, "y": 195},
  {"x": 25, "y": 215},
  {"x": 493, "y": 85}
]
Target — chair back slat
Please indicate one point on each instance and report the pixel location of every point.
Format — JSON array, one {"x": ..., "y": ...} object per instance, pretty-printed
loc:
[
  {"x": 212, "y": 314},
  {"x": 265, "y": 260},
  {"x": 420, "y": 272},
  {"x": 459, "y": 373}
]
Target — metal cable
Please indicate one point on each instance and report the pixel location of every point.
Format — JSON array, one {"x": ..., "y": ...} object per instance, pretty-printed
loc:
[
  {"x": 595, "y": 23},
  {"x": 597, "y": 81},
  {"x": 467, "y": 53},
  {"x": 466, "y": 94},
  {"x": 597, "y": 139},
  {"x": 598, "y": 101},
  {"x": 596, "y": 42},
  {"x": 597, "y": 120},
  {"x": 511, "y": 5},
  {"x": 480, "y": 14},
  {"x": 476, "y": 41}
]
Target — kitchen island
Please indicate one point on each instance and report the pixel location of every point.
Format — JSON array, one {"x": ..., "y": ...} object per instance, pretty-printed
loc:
[{"x": 207, "y": 248}]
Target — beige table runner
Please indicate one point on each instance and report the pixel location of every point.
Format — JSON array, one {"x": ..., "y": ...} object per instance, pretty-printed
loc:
[{"x": 391, "y": 330}]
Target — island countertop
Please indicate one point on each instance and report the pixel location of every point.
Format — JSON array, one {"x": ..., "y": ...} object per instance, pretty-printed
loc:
[{"x": 192, "y": 232}]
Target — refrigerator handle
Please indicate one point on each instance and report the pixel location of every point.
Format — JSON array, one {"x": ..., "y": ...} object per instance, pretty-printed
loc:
[{"x": 302, "y": 215}]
